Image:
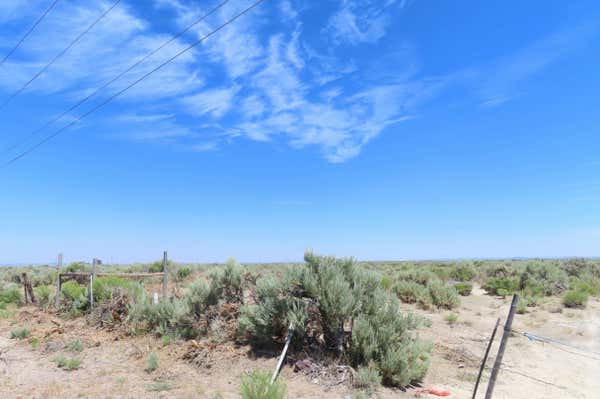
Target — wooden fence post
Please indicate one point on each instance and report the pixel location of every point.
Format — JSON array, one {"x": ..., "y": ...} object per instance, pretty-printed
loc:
[
  {"x": 58, "y": 282},
  {"x": 485, "y": 357},
  {"x": 165, "y": 275},
  {"x": 502, "y": 348},
  {"x": 92, "y": 276}
]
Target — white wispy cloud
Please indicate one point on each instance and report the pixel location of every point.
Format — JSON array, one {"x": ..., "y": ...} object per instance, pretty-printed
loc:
[
  {"x": 111, "y": 47},
  {"x": 499, "y": 82},
  {"x": 360, "y": 21},
  {"x": 215, "y": 101}
]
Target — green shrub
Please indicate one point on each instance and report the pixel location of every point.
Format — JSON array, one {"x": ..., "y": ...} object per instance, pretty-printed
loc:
[
  {"x": 75, "y": 267},
  {"x": 105, "y": 286},
  {"x": 42, "y": 294},
  {"x": 11, "y": 295},
  {"x": 420, "y": 276},
  {"x": 159, "y": 386},
  {"x": 463, "y": 288},
  {"x": 164, "y": 318},
  {"x": 463, "y": 273},
  {"x": 72, "y": 291},
  {"x": 257, "y": 385},
  {"x": 451, "y": 318},
  {"x": 74, "y": 346},
  {"x": 151, "y": 362},
  {"x": 575, "y": 299},
  {"x": 412, "y": 292},
  {"x": 543, "y": 279},
  {"x": 20, "y": 333},
  {"x": 67, "y": 363},
  {"x": 330, "y": 294},
  {"x": 386, "y": 282},
  {"x": 183, "y": 273},
  {"x": 443, "y": 296},
  {"x": 367, "y": 378},
  {"x": 522, "y": 307},
  {"x": 156, "y": 267},
  {"x": 502, "y": 286},
  {"x": 226, "y": 283},
  {"x": 587, "y": 283}
]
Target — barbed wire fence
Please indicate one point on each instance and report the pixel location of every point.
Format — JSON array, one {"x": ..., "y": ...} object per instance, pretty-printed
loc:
[{"x": 501, "y": 365}]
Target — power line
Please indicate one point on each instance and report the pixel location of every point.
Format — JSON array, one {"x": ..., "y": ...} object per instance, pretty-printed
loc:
[
  {"x": 48, "y": 65},
  {"x": 120, "y": 75},
  {"x": 109, "y": 99},
  {"x": 29, "y": 32}
]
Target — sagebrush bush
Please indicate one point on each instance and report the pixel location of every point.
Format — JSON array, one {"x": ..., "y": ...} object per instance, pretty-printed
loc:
[
  {"x": 164, "y": 318},
  {"x": 575, "y": 299},
  {"x": 463, "y": 273},
  {"x": 156, "y": 267},
  {"x": 74, "y": 346},
  {"x": 75, "y": 267},
  {"x": 543, "y": 279},
  {"x": 67, "y": 363},
  {"x": 463, "y": 288},
  {"x": 183, "y": 273},
  {"x": 502, "y": 286},
  {"x": 105, "y": 286},
  {"x": 72, "y": 291},
  {"x": 227, "y": 282},
  {"x": 412, "y": 292},
  {"x": 11, "y": 295},
  {"x": 151, "y": 362},
  {"x": 42, "y": 294},
  {"x": 326, "y": 295},
  {"x": 367, "y": 378},
  {"x": 443, "y": 296},
  {"x": 586, "y": 283},
  {"x": 20, "y": 333},
  {"x": 257, "y": 385},
  {"x": 451, "y": 318}
]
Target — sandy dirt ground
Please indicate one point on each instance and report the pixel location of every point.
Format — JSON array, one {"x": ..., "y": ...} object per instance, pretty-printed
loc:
[{"x": 113, "y": 365}]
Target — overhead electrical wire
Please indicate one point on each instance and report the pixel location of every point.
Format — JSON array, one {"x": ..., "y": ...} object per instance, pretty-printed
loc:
[
  {"x": 120, "y": 92},
  {"x": 117, "y": 77},
  {"x": 57, "y": 56},
  {"x": 28, "y": 32}
]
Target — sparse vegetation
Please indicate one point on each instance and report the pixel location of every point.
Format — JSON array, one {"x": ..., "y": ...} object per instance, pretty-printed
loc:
[
  {"x": 74, "y": 346},
  {"x": 20, "y": 333},
  {"x": 451, "y": 318},
  {"x": 159, "y": 386},
  {"x": 575, "y": 299},
  {"x": 72, "y": 291},
  {"x": 367, "y": 379},
  {"x": 151, "y": 362},
  {"x": 256, "y": 385},
  {"x": 68, "y": 364},
  {"x": 463, "y": 289},
  {"x": 10, "y": 295},
  {"x": 183, "y": 273},
  {"x": 42, "y": 294}
]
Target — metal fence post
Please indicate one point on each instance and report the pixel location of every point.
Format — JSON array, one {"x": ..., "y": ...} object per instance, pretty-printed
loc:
[
  {"x": 485, "y": 357},
  {"x": 502, "y": 348}
]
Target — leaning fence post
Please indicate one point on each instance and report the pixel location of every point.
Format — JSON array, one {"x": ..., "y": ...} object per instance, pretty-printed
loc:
[
  {"x": 165, "y": 275},
  {"x": 288, "y": 339},
  {"x": 58, "y": 282},
  {"x": 505, "y": 335},
  {"x": 485, "y": 357}
]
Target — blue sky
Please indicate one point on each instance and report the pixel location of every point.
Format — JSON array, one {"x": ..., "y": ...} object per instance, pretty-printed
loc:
[{"x": 375, "y": 129}]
